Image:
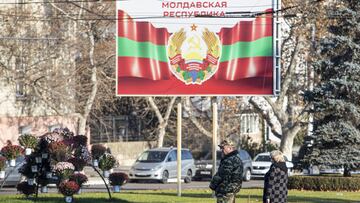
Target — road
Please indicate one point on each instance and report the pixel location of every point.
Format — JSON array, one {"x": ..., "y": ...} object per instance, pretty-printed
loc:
[
  {"x": 146, "y": 186},
  {"x": 192, "y": 185}
]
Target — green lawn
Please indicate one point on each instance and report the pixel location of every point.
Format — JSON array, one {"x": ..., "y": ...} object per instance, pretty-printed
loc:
[{"x": 189, "y": 196}]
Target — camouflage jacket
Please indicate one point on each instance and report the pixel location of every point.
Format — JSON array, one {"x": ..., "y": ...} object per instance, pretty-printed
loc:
[{"x": 228, "y": 179}]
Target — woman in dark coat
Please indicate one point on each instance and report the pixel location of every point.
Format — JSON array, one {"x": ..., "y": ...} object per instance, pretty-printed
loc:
[{"x": 276, "y": 179}]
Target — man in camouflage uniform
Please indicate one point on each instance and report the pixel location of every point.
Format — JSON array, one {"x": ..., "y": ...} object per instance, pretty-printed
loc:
[{"x": 228, "y": 179}]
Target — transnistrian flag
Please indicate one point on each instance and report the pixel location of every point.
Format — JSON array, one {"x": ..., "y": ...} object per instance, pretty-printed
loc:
[{"x": 195, "y": 48}]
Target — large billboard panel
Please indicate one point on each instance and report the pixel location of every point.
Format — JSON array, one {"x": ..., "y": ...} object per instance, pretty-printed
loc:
[{"x": 196, "y": 47}]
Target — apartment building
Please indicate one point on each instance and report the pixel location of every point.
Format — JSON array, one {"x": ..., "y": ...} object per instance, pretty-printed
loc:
[{"x": 30, "y": 63}]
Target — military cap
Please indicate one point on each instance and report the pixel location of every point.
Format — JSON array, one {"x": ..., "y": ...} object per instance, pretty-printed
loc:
[{"x": 226, "y": 142}]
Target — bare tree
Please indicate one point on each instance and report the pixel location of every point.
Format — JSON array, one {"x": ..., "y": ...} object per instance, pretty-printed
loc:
[
  {"x": 288, "y": 108},
  {"x": 67, "y": 52},
  {"x": 190, "y": 110},
  {"x": 230, "y": 109},
  {"x": 163, "y": 120}
]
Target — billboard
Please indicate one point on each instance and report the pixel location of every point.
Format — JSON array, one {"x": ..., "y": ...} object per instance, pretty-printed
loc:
[{"x": 197, "y": 47}]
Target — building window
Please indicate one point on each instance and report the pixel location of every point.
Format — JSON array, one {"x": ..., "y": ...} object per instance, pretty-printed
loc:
[
  {"x": 25, "y": 129},
  {"x": 20, "y": 89},
  {"x": 20, "y": 75},
  {"x": 249, "y": 123}
]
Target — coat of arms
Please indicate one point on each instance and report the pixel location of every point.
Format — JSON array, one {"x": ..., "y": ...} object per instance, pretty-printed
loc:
[{"x": 194, "y": 55}]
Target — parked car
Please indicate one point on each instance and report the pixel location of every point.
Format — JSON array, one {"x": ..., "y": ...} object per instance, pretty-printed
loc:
[
  {"x": 161, "y": 164},
  {"x": 330, "y": 170},
  {"x": 262, "y": 163},
  {"x": 12, "y": 174},
  {"x": 204, "y": 167},
  {"x": 327, "y": 169}
]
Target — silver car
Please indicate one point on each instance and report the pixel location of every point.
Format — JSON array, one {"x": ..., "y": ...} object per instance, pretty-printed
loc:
[
  {"x": 161, "y": 164},
  {"x": 12, "y": 175}
]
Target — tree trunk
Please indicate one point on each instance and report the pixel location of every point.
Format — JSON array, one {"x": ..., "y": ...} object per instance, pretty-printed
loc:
[
  {"x": 163, "y": 120},
  {"x": 81, "y": 126},
  {"x": 162, "y": 131},
  {"x": 91, "y": 97},
  {"x": 286, "y": 147},
  {"x": 287, "y": 142}
]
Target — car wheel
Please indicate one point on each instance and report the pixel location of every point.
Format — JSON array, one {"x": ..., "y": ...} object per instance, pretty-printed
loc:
[
  {"x": 247, "y": 175},
  {"x": 188, "y": 176},
  {"x": 165, "y": 177}
]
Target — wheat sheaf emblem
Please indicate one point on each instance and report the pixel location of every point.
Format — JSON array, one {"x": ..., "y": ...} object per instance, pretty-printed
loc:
[{"x": 194, "y": 55}]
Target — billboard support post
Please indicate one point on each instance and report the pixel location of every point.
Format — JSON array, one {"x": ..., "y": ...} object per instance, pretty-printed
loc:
[
  {"x": 179, "y": 117},
  {"x": 215, "y": 129},
  {"x": 276, "y": 46}
]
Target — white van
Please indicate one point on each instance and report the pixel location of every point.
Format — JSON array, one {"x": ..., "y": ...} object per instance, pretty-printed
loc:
[{"x": 161, "y": 164}]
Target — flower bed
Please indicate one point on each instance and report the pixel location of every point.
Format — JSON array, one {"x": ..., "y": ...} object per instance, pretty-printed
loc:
[
  {"x": 69, "y": 188},
  {"x": 28, "y": 141},
  {"x": 107, "y": 162},
  {"x": 78, "y": 163},
  {"x": 83, "y": 153},
  {"x": 2, "y": 163},
  {"x": 97, "y": 151},
  {"x": 26, "y": 189},
  {"x": 64, "y": 170},
  {"x": 118, "y": 179},
  {"x": 26, "y": 171},
  {"x": 52, "y": 137},
  {"x": 79, "y": 178},
  {"x": 59, "y": 151},
  {"x": 55, "y": 158},
  {"x": 11, "y": 151},
  {"x": 80, "y": 140}
]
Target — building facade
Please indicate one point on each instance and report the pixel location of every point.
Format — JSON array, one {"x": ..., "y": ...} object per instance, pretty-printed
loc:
[{"x": 30, "y": 64}]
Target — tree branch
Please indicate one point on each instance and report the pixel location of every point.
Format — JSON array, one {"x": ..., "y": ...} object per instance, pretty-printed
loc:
[
  {"x": 62, "y": 11},
  {"x": 280, "y": 115},
  {"x": 156, "y": 109},
  {"x": 48, "y": 103},
  {"x": 266, "y": 116},
  {"x": 289, "y": 73},
  {"x": 106, "y": 60},
  {"x": 193, "y": 119},
  {"x": 169, "y": 108}
]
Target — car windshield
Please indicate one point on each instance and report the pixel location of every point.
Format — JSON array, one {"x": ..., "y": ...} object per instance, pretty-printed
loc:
[
  {"x": 209, "y": 156},
  {"x": 152, "y": 156},
  {"x": 263, "y": 158}
]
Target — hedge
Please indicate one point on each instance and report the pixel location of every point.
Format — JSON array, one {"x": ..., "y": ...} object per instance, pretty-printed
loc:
[{"x": 324, "y": 183}]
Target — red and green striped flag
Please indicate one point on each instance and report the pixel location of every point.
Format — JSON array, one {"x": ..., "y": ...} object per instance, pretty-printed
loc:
[{"x": 192, "y": 48}]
